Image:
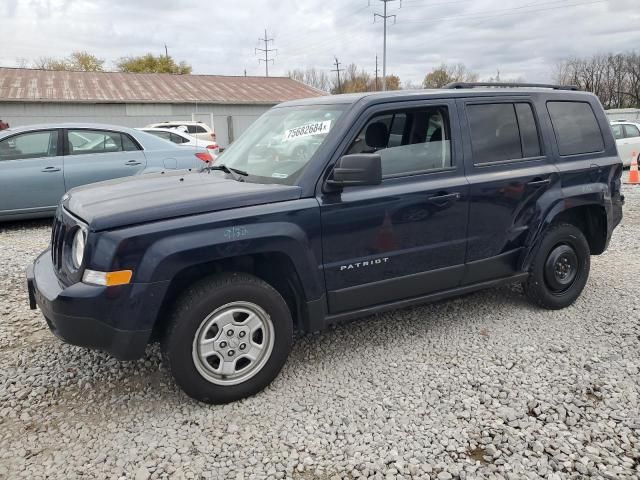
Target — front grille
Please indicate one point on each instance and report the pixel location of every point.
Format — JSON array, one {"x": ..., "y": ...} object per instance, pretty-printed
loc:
[{"x": 57, "y": 241}]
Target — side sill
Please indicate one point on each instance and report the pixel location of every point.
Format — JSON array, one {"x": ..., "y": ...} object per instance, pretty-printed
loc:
[{"x": 433, "y": 297}]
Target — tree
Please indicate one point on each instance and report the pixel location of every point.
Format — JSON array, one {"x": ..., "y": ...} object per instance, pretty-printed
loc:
[
  {"x": 150, "y": 63},
  {"x": 312, "y": 77},
  {"x": 85, "y": 62},
  {"x": 445, "y": 74},
  {"x": 614, "y": 78},
  {"x": 393, "y": 82},
  {"x": 79, "y": 61}
]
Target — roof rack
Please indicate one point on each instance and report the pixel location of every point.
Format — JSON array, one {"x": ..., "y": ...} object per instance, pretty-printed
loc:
[{"x": 458, "y": 85}]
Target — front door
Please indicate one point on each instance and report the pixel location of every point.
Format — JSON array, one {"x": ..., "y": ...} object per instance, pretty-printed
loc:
[
  {"x": 96, "y": 155},
  {"x": 31, "y": 176},
  {"x": 406, "y": 237},
  {"x": 509, "y": 170}
]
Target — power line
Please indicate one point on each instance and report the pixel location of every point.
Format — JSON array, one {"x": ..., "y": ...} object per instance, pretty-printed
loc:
[
  {"x": 266, "y": 51},
  {"x": 384, "y": 41},
  {"x": 508, "y": 11},
  {"x": 338, "y": 70}
]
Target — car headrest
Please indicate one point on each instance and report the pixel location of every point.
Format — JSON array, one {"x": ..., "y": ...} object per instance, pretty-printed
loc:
[{"x": 376, "y": 135}]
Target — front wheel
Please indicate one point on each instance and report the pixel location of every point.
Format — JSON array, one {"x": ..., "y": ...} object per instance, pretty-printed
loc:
[
  {"x": 228, "y": 337},
  {"x": 560, "y": 267}
]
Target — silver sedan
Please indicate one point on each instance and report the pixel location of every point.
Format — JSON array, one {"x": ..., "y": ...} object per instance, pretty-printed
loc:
[{"x": 39, "y": 163}]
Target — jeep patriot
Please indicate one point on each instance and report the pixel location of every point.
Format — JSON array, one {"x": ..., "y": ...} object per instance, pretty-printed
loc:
[{"x": 329, "y": 209}]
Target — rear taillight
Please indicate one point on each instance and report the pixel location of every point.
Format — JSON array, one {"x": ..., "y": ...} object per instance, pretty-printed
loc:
[
  {"x": 213, "y": 146},
  {"x": 204, "y": 156}
]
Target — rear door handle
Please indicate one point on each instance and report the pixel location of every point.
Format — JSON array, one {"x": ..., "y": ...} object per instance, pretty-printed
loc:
[
  {"x": 50, "y": 169},
  {"x": 539, "y": 183},
  {"x": 440, "y": 199},
  {"x": 133, "y": 163}
]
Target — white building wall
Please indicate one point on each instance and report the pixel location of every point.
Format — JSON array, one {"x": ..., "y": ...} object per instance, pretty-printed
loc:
[{"x": 133, "y": 115}]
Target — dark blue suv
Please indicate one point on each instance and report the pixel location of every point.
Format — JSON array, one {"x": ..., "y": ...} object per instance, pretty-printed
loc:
[{"x": 330, "y": 209}]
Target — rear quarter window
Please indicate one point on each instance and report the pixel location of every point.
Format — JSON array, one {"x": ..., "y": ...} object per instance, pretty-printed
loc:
[{"x": 576, "y": 128}]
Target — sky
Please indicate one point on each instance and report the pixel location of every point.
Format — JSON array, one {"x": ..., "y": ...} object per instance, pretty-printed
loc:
[{"x": 519, "y": 38}]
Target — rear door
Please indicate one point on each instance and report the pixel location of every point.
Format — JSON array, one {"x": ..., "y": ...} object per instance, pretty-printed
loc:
[
  {"x": 631, "y": 143},
  {"x": 509, "y": 170},
  {"x": 97, "y": 155},
  {"x": 31, "y": 176}
]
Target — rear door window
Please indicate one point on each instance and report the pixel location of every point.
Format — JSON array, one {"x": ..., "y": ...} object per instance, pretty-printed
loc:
[
  {"x": 502, "y": 131},
  {"x": 631, "y": 131},
  {"x": 576, "y": 128},
  {"x": 83, "y": 142},
  {"x": 195, "y": 129}
]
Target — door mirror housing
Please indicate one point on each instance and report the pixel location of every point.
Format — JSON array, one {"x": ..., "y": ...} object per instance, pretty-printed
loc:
[{"x": 357, "y": 169}]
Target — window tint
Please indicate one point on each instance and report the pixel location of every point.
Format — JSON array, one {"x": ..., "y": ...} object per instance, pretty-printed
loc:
[
  {"x": 631, "y": 131},
  {"x": 408, "y": 141},
  {"x": 177, "y": 138},
  {"x": 528, "y": 131},
  {"x": 82, "y": 142},
  {"x": 617, "y": 131},
  {"x": 128, "y": 145},
  {"x": 164, "y": 135},
  {"x": 30, "y": 145},
  {"x": 576, "y": 128},
  {"x": 494, "y": 132}
]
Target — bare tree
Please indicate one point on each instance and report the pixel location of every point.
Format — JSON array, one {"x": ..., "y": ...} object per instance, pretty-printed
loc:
[
  {"x": 614, "y": 78},
  {"x": 444, "y": 74},
  {"x": 313, "y": 77}
]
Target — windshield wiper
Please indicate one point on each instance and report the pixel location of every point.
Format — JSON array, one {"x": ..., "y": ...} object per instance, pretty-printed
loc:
[{"x": 236, "y": 173}]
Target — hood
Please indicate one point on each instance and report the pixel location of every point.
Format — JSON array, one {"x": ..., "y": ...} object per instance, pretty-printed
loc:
[{"x": 159, "y": 196}]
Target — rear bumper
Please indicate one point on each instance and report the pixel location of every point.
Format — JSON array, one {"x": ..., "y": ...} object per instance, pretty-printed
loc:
[{"x": 117, "y": 320}]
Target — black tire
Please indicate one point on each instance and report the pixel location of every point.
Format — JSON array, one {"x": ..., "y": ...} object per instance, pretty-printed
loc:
[
  {"x": 195, "y": 305},
  {"x": 560, "y": 267}
]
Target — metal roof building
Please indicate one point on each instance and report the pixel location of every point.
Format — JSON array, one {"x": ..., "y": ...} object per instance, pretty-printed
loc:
[{"x": 29, "y": 96}]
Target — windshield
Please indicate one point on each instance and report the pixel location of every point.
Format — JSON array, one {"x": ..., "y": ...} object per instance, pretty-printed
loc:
[{"x": 278, "y": 146}]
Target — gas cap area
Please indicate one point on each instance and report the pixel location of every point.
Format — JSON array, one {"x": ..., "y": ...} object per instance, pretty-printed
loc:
[{"x": 170, "y": 163}]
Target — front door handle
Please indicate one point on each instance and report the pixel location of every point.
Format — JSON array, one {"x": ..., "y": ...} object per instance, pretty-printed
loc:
[
  {"x": 442, "y": 199},
  {"x": 539, "y": 182},
  {"x": 50, "y": 169},
  {"x": 133, "y": 163}
]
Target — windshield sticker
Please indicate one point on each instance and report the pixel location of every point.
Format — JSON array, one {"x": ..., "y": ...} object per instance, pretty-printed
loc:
[
  {"x": 279, "y": 175},
  {"x": 317, "y": 128}
]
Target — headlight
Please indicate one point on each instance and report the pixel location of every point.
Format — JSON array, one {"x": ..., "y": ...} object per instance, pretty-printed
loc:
[{"x": 77, "y": 248}]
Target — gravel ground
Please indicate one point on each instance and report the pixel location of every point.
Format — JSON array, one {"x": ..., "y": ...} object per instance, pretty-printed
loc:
[{"x": 484, "y": 386}]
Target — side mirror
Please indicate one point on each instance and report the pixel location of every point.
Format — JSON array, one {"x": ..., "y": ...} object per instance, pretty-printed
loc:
[{"x": 357, "y": 169}]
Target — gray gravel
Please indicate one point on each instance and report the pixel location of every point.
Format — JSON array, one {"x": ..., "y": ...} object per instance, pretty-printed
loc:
[{"x": 485, "y": 386}]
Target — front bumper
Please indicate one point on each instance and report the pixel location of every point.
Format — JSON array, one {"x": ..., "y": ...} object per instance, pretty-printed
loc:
[{"x": 118, "y": 320}]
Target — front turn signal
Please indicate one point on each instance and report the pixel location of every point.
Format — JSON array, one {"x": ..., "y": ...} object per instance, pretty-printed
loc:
[{"x": 107, "y": 279}]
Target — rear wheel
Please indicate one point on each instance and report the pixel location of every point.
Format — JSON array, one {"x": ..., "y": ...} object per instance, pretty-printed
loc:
[
  {"x": 228, "y": 338},
  {"x": 560, "y": 267}
]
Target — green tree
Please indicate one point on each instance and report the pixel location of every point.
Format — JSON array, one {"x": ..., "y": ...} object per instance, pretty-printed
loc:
[
  {"x": 79, "y": 61},
  {"x": 150, "y": 63},
  {"x": 85, "y": 62}
]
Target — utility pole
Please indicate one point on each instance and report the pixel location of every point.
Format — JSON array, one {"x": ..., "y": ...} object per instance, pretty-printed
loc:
[
  {"x": 166, "y": 51},
  {"x": 384, "y": 17},
  {"x": 376, "y": 72},
  {"x": 338, "y": 70},
  {"x": 266, "y": 51}
]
